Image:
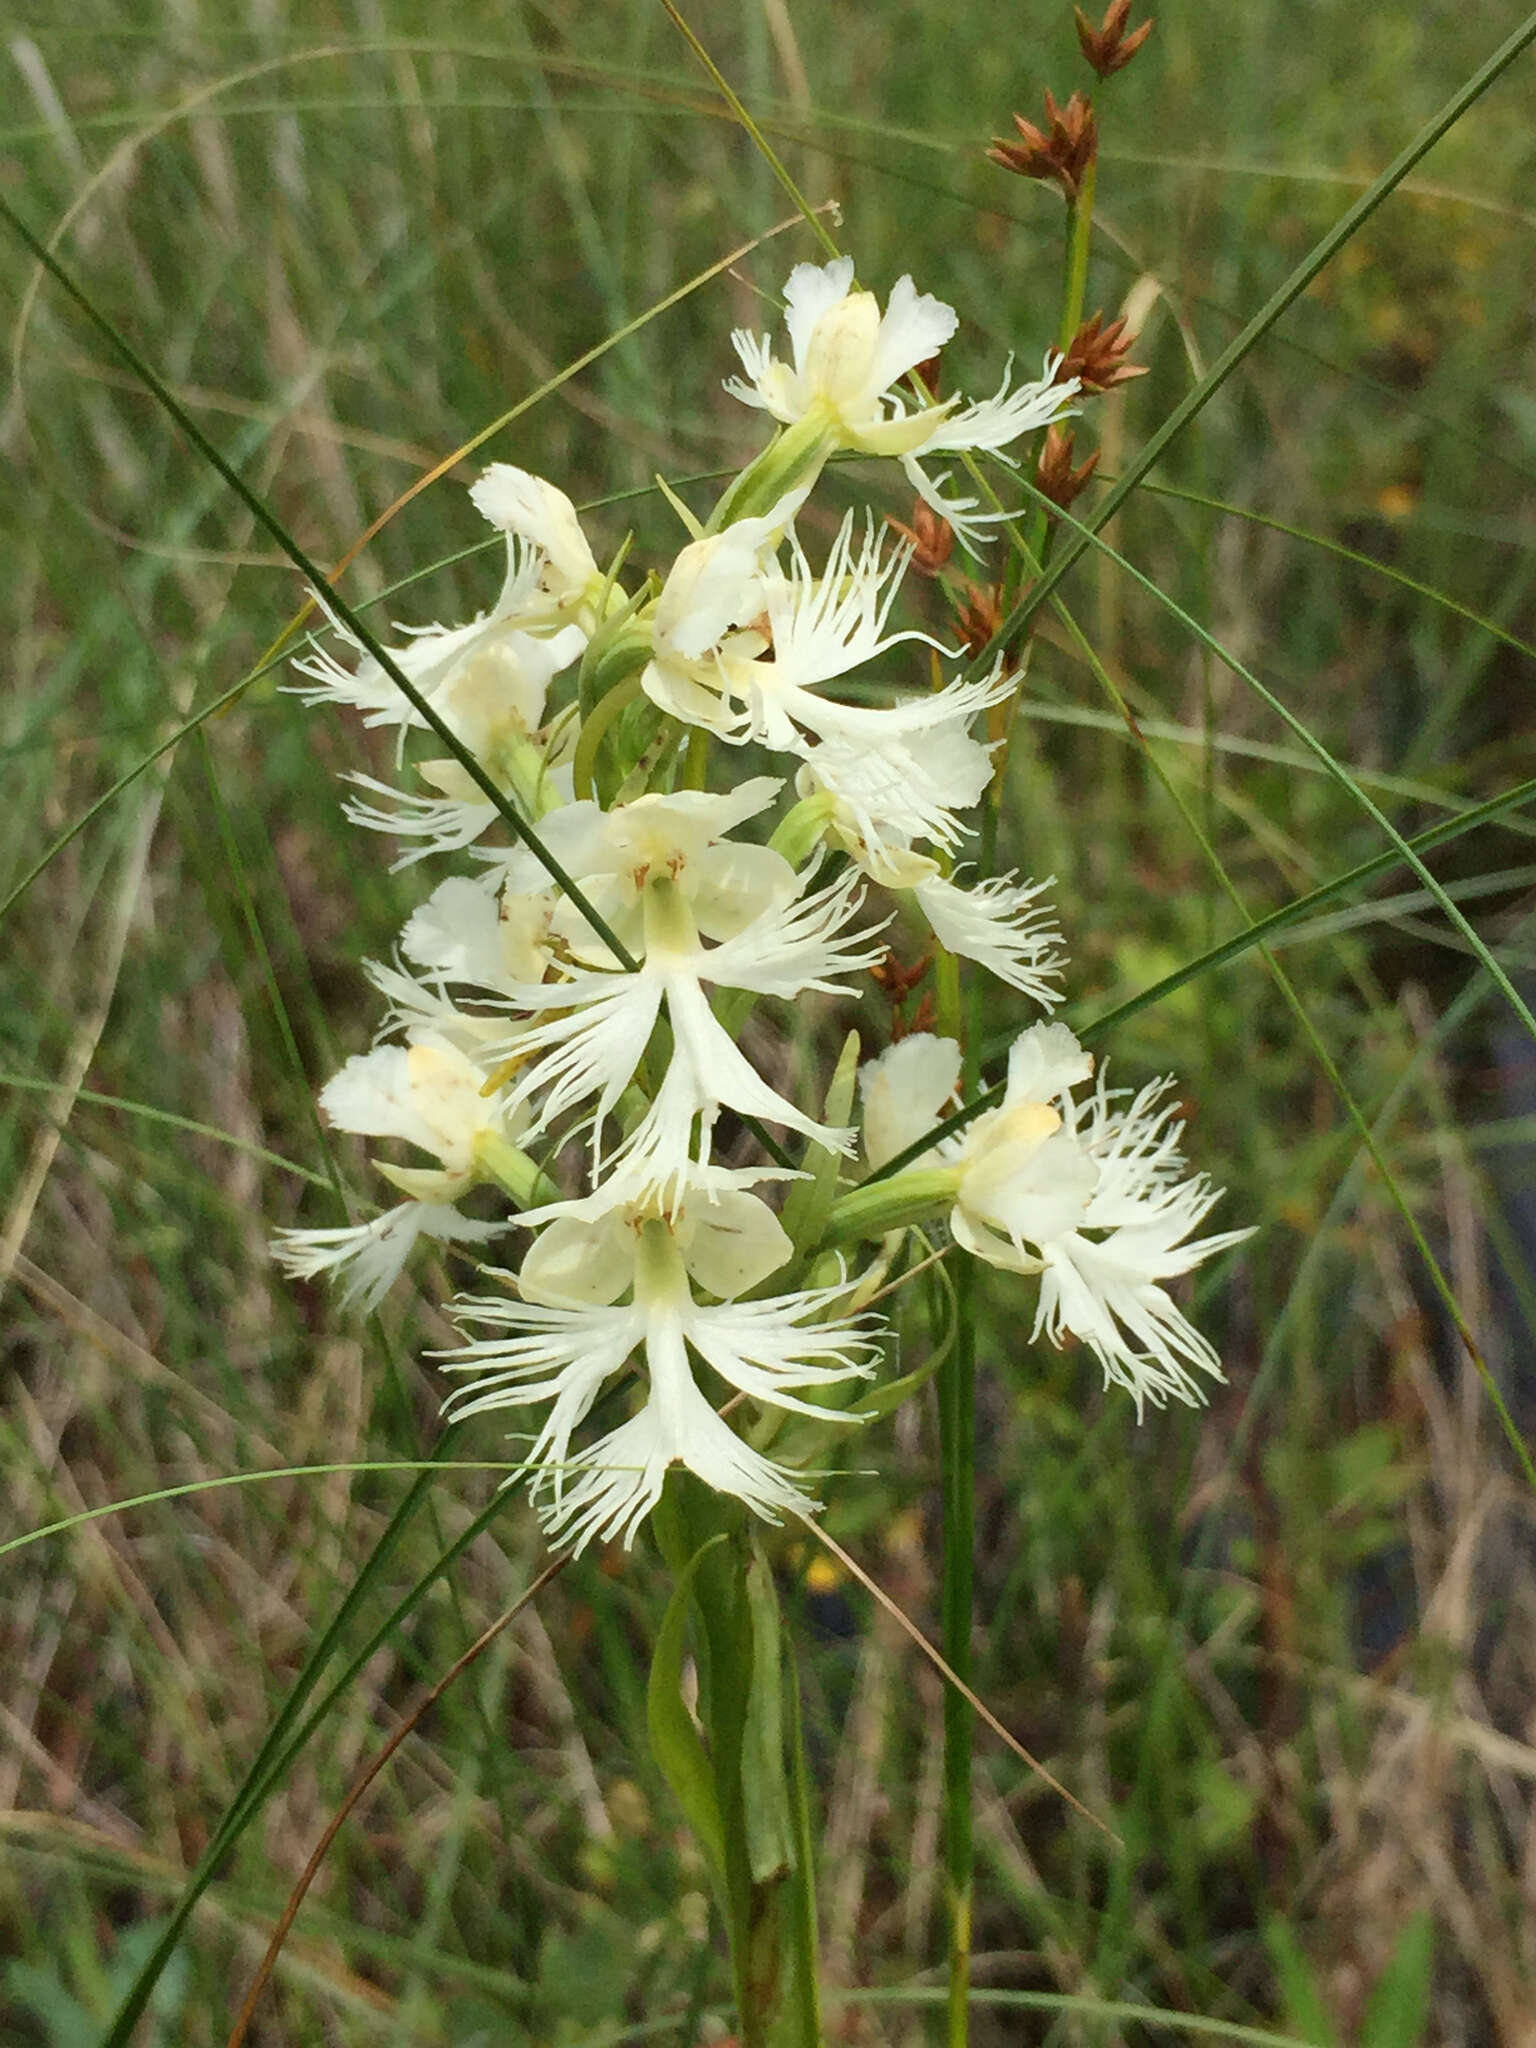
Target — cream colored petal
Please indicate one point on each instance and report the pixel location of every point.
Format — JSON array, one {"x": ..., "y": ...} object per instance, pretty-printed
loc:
[
  {"x": 812, "y": 291},
  {"x": 905, "y": 1092},
  {"x": 1046, "y": 1061},
  {"x": 539, "y": 513},
  {"x": 445, "y": 1092},
  {"x": 840, "y": 356},
  {"x": 1033, "y": 1182},
  {"x": 729, "y": 885},
  {"x": 577, "y": 1261},
  {"x": 916, "y": 326},
  {"x": 731, "y": 1242}
]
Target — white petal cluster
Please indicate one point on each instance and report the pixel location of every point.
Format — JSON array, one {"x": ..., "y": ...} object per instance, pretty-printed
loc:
[
  {"x": 1090, "y": 1194},
  {"x": 848, "y": 366},
  {"x": 564, "y": 1026}
]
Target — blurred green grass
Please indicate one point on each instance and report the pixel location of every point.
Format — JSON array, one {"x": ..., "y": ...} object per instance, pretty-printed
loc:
[{"x": 1289, "y": 1642}]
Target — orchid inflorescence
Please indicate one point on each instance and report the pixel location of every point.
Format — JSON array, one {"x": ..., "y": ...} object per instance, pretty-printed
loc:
[{"x": 576, "y": 1051}]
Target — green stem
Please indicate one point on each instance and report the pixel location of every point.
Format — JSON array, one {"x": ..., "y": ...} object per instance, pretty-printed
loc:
[
  {"x": 1279, "y": 301},
  {"x": 957, "y": 1375},
  {"x": 957, "y": 1447},
  {"x": 319, "y": 582},
  {"x": 946, "y": 984},
  {"x": 1079, "y": 234},
  {"x": 1074, "y": 289},
  {"x": 803, "y": 2004},
  {"x": 696, "y": 760}
]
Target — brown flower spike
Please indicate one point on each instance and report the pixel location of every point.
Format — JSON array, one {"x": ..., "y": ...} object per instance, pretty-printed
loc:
[
  {"x": 1060, "y": 153},
  {"x": 1096, "y": 355},
  {"x": 932, "y": 538},
  {"x": 1108, "y": 47},
  {"x": 979, "y": 615},
  {"x": 1055, "y": 478}
]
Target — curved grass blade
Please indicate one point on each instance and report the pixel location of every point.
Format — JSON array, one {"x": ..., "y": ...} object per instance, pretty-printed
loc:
[
  {"x": 1370, "y": 563},
  {"x": 318, "y": 581},
  {"x": 1264, "y": 928},
  {"x": 172, "y": 1121},
  {"x": 759, "y": 141},
  {"x": 191, "y": 1486},
  {"x": 1314, "y": 746},
  {"x": 1192, "y": 2023}
]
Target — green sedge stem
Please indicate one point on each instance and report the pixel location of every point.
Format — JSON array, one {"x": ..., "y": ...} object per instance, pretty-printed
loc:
[
  {"x": 318, "y": 581},
  {"x": 1079, "y": 234}
]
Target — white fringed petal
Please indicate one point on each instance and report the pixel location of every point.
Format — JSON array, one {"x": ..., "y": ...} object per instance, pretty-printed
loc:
[{"x": 367, "y": 1259}]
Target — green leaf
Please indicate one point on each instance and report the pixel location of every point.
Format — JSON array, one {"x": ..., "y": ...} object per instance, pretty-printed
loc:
[
  {"x": 1304, "y": 2007},
  {"x": 675, "y": 1742},
  {"x": 764, "y": 1789},
  {"x": 809, "y": 1202},
  {"x": 1399, "y": 2005}
]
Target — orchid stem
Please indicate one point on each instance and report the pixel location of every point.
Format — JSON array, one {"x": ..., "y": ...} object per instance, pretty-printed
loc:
[{"x": 957, "y": 1445}]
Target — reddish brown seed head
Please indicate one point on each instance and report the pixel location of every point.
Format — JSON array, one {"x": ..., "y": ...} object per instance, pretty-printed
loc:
[
  {"x": 1060, "y": 152},
  {"x": 1108, "y": 47},
  {"x": 1055, "y": 478},
  {"x": 1096, "y": 356}
]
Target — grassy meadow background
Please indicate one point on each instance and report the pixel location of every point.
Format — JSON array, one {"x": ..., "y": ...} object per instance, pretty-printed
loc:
[{"x": 1289, "y": 1642}]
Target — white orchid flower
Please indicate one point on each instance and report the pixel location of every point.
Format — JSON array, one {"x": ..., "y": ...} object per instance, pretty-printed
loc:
[
  {"x": 536, "y": 512},
  {"x": 432, "y": 1095},
  {"x": 703, "y": 623},
  {"x": 1091, "y": 1196},
  {"x": 848, "y": 362},
  {"x": 881, "y": 797},
  {"x": 572, "y": 1332},
  {"x": 590, "y": 1031},
  {"x": 471, "y": 929},
  {"x": 498, "y": 667},
  {"x": 765, "y": 682}
]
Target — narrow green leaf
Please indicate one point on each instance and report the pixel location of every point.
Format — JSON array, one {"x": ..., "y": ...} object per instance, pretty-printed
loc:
[
  {"x": 1304, "y": 2007},
  {"x": 802, "y": 2027},
  {"x": 675, "y": 1742},
  {"x": 764, "y": 1789},
  {"x": 1335, "y": 768},
  {"x": 1251, "y": 936},
  {"x": 315, "y": 576},
  {"x": 1398, "y": 2011}
]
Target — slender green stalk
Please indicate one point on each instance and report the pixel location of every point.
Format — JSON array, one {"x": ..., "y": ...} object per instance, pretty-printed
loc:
[
  {"x": 957, "y": 1375},
  {"x": 1074, "y": 290},
  {"x": 957, "y": 1455},
  {"x": 803, "y": 2009},
  {"x": 1079, "y": 235}
]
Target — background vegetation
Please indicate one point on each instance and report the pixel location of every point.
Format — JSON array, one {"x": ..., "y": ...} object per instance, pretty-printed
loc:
[{"x": 1289, "y": 1643}]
